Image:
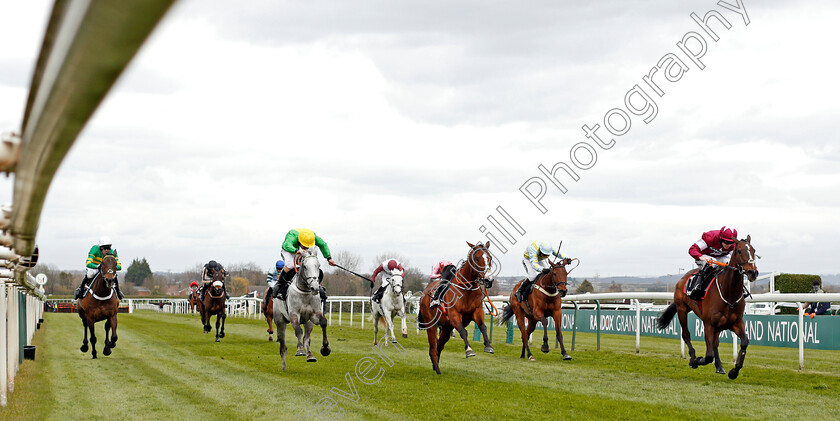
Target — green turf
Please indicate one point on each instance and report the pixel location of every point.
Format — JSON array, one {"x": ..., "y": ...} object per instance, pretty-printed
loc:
[{"x": 165, "y": 368}]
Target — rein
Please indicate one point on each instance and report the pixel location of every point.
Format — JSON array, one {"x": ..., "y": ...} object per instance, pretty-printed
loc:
[
  {"x": 741, "y": 273},
  {"x": 93, "y": 294}
]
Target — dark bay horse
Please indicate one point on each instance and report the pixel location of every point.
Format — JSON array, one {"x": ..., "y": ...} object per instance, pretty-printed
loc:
[
  {"x": 214, "y": 303},
  {"x": 545, "y": 300},
  {"x": 461, "y": 305},
  {"x": 99, "y": 303},
  {"x": 268, "y": 312},
  {"x": 721, "y": 309}
]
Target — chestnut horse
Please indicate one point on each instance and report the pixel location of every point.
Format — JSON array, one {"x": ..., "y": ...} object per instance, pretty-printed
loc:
[
  {"x": 214, "y": 303},
  {"x": 721, "y": 309},
  {"x": 99, "y": 302},
  {"x": 545, "y": 300},
  {"x": 268, "y": 312},
  {"x": 464, "y": 306},
  {"x": 194, "y": 298}
]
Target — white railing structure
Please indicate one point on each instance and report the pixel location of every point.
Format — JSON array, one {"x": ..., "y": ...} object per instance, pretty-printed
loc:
[{"x": 87, "y": 45}]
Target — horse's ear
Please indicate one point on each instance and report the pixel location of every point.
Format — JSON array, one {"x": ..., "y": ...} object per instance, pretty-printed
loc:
[
  {"x": 471, "y": 245},
  {"x": 748, "y": 238},
  {"x": 487, "y": 245}
]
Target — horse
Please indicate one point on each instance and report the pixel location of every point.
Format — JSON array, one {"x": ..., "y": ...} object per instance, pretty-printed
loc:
[
  {"x": 721, "y": 309},
  {"x": 545, "y": 300},
  {"x": 392, "y": 304},
  {"x": 99, "y": 302},
  {"x": 268, "y": 313},
  {"x": 194, "y": 298},
  {"x": 302, "y": 306},
  {"x": 214, "y": 304},
  {"x": 464, "y": 307}
]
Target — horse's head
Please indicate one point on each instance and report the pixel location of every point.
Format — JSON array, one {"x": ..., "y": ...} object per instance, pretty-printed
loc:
[
  {"x": 557, "y": 278},
  {"x": 108, "y": 269},
  {"x": 396, "y": 281},
  {"x": 218, "y": 284},
  {"x": 309, "y": 271},
  {"x": 479, "y": 259},
  {"x": 743, "y": 257}
]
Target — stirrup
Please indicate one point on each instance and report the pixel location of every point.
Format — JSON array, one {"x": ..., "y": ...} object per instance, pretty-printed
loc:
[{"x": 434, "y": 303}]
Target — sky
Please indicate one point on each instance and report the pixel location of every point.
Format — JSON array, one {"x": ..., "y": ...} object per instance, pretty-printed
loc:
[{"x": 399, "y": 127}]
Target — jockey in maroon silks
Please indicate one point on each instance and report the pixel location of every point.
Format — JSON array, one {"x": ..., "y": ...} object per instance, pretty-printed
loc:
[
  {"x": 387, "y": 268},
  {"x": 716, "y": 245}
]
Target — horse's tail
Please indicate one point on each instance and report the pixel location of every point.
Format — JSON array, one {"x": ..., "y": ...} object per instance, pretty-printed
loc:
[
  {"x": 665, "y": 318},
  {"x": 507, "y": 313}
]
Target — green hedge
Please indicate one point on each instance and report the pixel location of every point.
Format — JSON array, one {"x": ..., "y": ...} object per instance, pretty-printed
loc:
[{"x": 794, "y": 282}]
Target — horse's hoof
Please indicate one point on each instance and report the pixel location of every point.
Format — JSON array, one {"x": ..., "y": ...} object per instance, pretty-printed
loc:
[
  {"x": 489, "y": 349},
  {"x": 299, "y": 354},
  {"x": 544, "y": 349},
  {"x": 106, "y": 351},
  {"x": 218, "y": 340},
  {"x": 222, "y": 334},
  {"x": 531, "y": 358},
  {"x": 311, "y": 360},
  {"x": 94, "y": 357},
  {"x": 567, "y": 357},
  {"x": 720, "y": 370},
  {"x": 393, "y": 341},
  {"x": 84, "y": 348},
  {"x": 470, "y": 353},
  {"x": 325, "y": 351},
  {"x": 692, "y": 363},
  {"x": 270, "y": 340},
  {"x": 405, "y": 335},
  {"x": 733, "y": 374}
]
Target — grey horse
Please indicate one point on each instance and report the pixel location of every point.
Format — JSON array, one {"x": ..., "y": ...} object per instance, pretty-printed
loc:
[
  {"x": 302, "y": 306},
  {"x": 392, "y": 304}
]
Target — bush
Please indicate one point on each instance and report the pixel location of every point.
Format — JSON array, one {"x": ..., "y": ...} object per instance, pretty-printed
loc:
[{"x": 793, "y": 283}]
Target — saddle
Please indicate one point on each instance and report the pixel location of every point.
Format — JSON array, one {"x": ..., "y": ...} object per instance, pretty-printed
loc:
[
  {"x": 526, "y": 288},
  {"x": 703, "y": 281}
]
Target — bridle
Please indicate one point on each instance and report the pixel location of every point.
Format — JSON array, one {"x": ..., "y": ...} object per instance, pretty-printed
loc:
[
  {"x": 301, "y": 282},
  {"x": 481, "y": 279},
  {"x": 739, "y": 268}
]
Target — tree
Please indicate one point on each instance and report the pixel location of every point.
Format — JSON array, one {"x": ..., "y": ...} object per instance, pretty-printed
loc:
[
  {"x": 585, "y": 287},
  {"x": 138, "y": 271},
  {"x": 238, "y": 286},
  {"x": 614, "y": 287}
]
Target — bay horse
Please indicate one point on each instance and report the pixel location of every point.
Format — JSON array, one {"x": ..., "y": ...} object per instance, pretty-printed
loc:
[
  {"x": 268, "y": 313},
  {"x": 545, "y": 300},
  {"x": 721, "y": 309},
  {"x": 302, "y": 306},
  {"x": 392, "y": 304},
  {"x": 465, "y": 305},
  {"x": 214, "y": 304},
  {"x": 99, "y": 302},
  {"x": 194, "y": 298}
]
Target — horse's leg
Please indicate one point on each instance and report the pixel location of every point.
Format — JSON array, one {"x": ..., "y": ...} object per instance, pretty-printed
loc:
[
  {"x": 558, "y": 322},
  {"x": 682, "y": 313},
  {"x": 281, "y": 339},
  {"x": 375, "y": 326},
  {"x": 404, "y": 327},
  {"x": 295, "y": 319},
  {"x": 457, "y": 323},
  {"x": 478, "y": 318},
  {"x": 389, "y": 321},
  {"x": 84, "y": 347},
  {"x": 711, "y": 339},
  {"x": 325, "y": 344},
  {"x": 91, "y": 326},
  {"x": 224, "y": 318},
  {"x": 526, "y": 336},
  {"x": 520, "y": 322},
  {"x": 267, "y": 312},
  {"x": 718, "y": 365},
  {"x": 107, "y": 350},
  {"x": 114, "y": 331},
  {"x": 445, "y": 335},
  {"x": 738, "y": 329},
  {"x": 306, "y": 341},
  {"x": 540, "y": 316},
  {"x": 431, "y": 332}
]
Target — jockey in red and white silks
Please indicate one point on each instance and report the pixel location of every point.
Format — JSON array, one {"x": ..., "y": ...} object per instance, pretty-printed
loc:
[
  {"x": 715, "y": 245},
  {"x": 388, "y": 268}
]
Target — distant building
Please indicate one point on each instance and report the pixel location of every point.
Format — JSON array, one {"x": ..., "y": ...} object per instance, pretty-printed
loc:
[{"x": 142, "y": 292}]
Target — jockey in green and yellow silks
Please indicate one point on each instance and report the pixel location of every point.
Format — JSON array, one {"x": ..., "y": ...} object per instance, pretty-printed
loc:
[{"x": 94, "y": 259}]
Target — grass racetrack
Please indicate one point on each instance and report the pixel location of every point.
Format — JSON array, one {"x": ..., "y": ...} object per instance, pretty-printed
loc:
[{"x": 164, "y": 368}]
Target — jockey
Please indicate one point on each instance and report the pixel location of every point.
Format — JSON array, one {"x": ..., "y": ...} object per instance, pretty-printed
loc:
[
  {"x": 445, "y": 271},
  {"x": 535, "y": 260},
  {"x": 273, "y": 278},
  {"x": 388, "y": 268},
  {"x": 193, "y": 286},
  {"x": 207, "y": 277},
  {"x": 300, "y": 239},
  {"x": 714, "y": 246},
  {"x": 95, "y": 255}
]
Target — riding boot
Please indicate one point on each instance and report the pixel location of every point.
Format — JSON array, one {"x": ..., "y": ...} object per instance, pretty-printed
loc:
[
  {"x": 323, "y": 293},
  {"x": 694, "y": 288},
  {"x": 77, "y": 294},
  {"x": 269, "y": 293},
  {"x": 227, "y": 296},
  {"x": 520, "y": 293},
  {"x": 201, "y": 291},
  {"x": 377, "y": 296},
  {"x": 439, "y": 292},
  {"x": 117, "y": 288}
]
